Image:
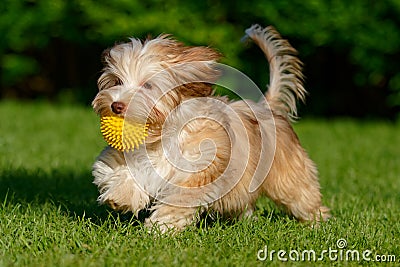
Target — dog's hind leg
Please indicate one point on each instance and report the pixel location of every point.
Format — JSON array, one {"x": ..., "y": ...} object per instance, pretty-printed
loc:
[{"x": 293, "y": 179}]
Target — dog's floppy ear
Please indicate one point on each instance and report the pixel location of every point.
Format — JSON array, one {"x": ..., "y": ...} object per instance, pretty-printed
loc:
[
  {"x": 188, "y": 63},
  {"x": 194, "y": 67},
  {"x": 197, "y": 63},
  {"x": 197, "y": 69},
  {"x": 197, "y": 53},
  {"x": 196, "y": 89}
]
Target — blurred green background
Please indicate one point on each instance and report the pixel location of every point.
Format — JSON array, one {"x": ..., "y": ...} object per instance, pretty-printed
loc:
[{"x": 50, "y": 49}]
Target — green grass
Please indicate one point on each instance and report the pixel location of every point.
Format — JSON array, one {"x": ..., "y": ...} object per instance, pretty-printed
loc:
[{"x": 49, "y": 215}]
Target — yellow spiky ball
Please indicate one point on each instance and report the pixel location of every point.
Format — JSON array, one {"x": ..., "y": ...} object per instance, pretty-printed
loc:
[{"x": 121, "y": 134}]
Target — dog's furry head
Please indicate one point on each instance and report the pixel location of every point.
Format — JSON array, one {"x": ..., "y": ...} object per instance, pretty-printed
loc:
[{"x": 158, "y": 73}]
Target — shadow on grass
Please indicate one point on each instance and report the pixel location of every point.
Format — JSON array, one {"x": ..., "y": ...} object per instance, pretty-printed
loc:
[
  {"x": 268, "y": 213},
  {"x": 72, "y": 191},
  {"x": 76, "y": 195}
]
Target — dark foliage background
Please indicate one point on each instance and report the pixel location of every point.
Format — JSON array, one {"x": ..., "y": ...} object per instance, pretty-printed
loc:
[{"x": 50, "y": 49}]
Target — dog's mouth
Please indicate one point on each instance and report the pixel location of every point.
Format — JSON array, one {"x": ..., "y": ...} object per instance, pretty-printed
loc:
[
  {"x": 121, "y": 134},
  {"x": 154, "y": 128},
  {"x": 132, "y": 115}
]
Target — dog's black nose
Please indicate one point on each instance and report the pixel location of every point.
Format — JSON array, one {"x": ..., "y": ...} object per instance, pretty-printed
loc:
[{"x": 118, "y": 107}]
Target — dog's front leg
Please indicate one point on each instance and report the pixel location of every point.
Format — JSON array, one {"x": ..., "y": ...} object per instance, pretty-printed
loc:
[
  {"x": 117, "y": 186},
  {"x": 171, "y": 218}
]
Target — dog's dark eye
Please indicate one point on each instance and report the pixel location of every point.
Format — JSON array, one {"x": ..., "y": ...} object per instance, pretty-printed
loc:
[
  {"x": 147, "y": 85},
  {"x": 117, "y": 82}
]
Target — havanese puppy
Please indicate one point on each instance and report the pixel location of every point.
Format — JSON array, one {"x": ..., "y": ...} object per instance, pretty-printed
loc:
[{"x": 203, "y": 153}]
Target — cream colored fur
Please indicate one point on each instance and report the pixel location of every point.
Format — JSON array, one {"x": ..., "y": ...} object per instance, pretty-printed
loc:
[{"x": 203, "y": 152}]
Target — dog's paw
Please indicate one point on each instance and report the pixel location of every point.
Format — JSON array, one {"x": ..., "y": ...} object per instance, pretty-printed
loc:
[
  {"x": 171, "y": 225},
  {"x": 158, "y": 228},
  {"x": 170, "y": 219},
  {"x": 123, "y": 194}
]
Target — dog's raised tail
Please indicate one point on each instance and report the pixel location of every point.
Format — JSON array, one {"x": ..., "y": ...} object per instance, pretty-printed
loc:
[{"x": 286, "y": 78}]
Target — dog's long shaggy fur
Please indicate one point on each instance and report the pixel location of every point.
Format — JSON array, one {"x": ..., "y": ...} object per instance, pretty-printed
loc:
[{"x": 203, "y": 152}]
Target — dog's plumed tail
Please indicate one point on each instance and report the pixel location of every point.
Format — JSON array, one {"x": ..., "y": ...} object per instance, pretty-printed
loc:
[{"x": 286, "y": 78}]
